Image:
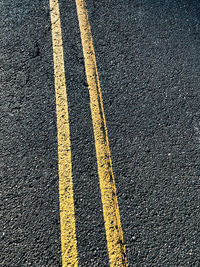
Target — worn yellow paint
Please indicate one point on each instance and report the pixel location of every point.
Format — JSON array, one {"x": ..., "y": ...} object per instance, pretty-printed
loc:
[
  {"x": 114, "y": 234},
  {"x": 67, "y": 214}
]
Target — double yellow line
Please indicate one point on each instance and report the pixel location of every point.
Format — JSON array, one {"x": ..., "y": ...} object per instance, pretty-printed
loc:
[{"x": 114, "y": 234}]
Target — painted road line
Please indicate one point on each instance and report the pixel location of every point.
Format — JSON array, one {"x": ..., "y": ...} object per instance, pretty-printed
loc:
[
  {"x": 67, "y": 214},
  {"x": 114, "y": 234}
]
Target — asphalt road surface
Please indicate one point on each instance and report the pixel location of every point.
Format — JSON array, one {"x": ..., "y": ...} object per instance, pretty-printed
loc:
[{"x": 148, "y": 59}]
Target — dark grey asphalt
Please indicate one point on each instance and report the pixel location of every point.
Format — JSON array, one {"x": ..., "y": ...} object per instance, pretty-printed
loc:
[{"x": 148, "y": 56}]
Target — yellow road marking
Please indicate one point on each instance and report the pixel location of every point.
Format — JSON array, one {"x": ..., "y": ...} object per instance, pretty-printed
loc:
[
  {"x": 67, "y": 214},
  {"x": 114, "y": 234}
]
